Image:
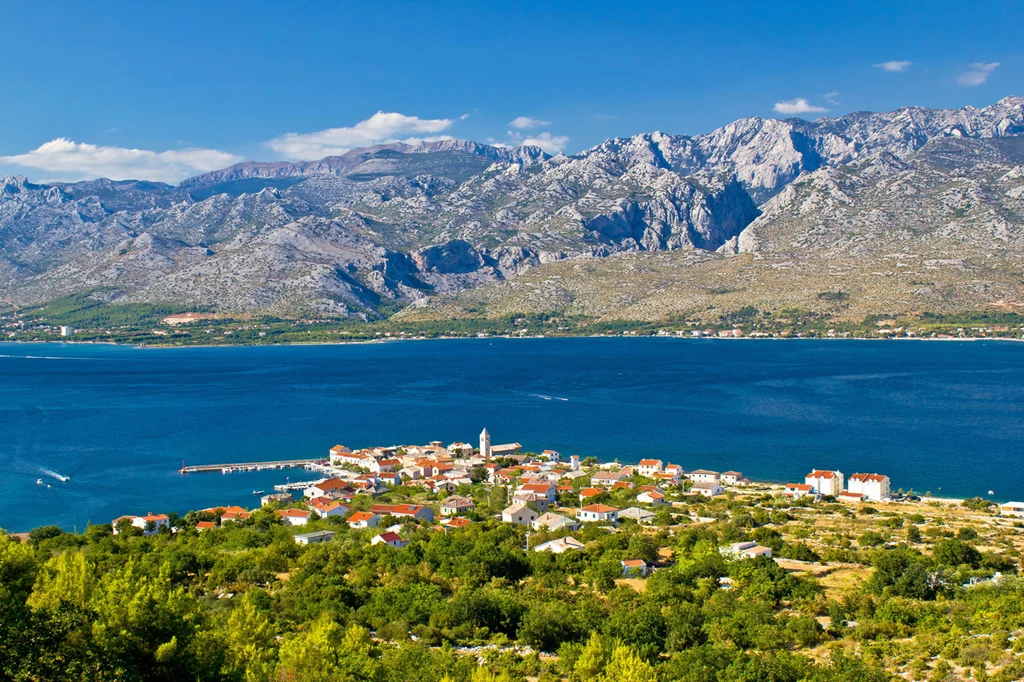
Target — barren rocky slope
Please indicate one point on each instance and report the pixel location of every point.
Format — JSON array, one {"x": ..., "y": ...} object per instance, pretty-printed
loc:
[{"x": 911, "y": 209}]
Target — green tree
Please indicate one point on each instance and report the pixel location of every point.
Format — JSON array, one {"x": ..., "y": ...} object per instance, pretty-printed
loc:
[
  {"x": 625, "y": 665},
  {"x": 591, "y": 663}
]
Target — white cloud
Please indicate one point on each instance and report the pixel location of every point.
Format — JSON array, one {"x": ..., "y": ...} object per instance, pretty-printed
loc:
[
  {"x": 895, "y": 66},
  {"x": 977, "y": 74},
  {"x": 798, "y": 106},
  {"x": 552, "y": 144},
  {"x": 831, "y": 97},
  {"x": 380, "y": 128},
  {"x": 525, "y": 123},
  {"x": 83, "y": 161}
]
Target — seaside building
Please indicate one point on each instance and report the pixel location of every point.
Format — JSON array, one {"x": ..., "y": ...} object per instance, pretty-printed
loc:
[
  {"x": 456, "y": 505},
  {"x": 797, "y": 490},
  {"x": 651, "y": 497},
  {"x": 519, "y": 514},
  {"x": 414, "y": 511},
  {"x": 874, "y": 487},
  {"x": 825, "y": 482},
  {"x": 632, "y": 568},
  {"x": 150, "y": 524},
  {"x": 363, "y": 519},
  {"x": 554, "y": 522},
  {"x": 574, "y": 462},
  {"x": 637, "y": 514},
  {"x": 485, "y": 444},
  {"x": 389, "y": 538},
  {"x": 649, "y": 467},
  {"x": 703, "y": 476},
  {"x": 293, "y": 517},
  {"x": 560, "y": 545},
  {"x": 66, "y": 331},
  {"x": 730, "y": 477},
  {"x": 1012, "y": 509},
  {"x": 747, "y": 550},
  {"x": 598, "y": 513},
  {"x": 314, "y": 537},
  {"x": 707, "y": 488}
]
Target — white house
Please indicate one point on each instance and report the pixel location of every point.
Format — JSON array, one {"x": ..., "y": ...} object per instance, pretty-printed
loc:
[
  {"x": 797, "y": 490},
  {"x": 1012, "y": 509},
  {"x": 336, "y": 452},
  {"x": 634, "y": 567},
  {"x": 325, "y": 488},
  {"x": 545, "y": 489},
  {"x": 519, "y": 514},
  {"x": 651, "y": 497},
  {"x": 554, "y": 522},
  {"x": 874, "y": 487},
  {"x": 293, "y": 517},
  {"x": 606, "y": 479},
  {"x": 456, "y": 505},
  {"x": 314, "y": 537},
  {"x": 637, "y": 514},
  {"x": 703, "y": 476},
  {"x": 560, "y": 545},
  {"x": 706, "y": 488},
  {"x": 825, "y": 482},
  {"x": 730, "y": 477},
  {"x": 748, "y": 550},
  {"x": 551, "y": 455},
  {"x": 158, "y": 520},
  {"x": 598, "y": 513},
  {"x": 325, "y": 506},
  {"x": 389, "y": 538},
  {"x": 649, "y": 467}
]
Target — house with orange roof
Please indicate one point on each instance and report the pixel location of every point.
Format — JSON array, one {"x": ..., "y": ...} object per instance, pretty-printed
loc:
[
  {"x": 590, "y": 492},
  {"x": 325, "y": 506},
  {"x": 649, "y": 467},
  {"x": 205, "y": 525},
  {"x": 233, "y": 516},
  {"x": 651, "y": 497},
  {"x": 632, "y": 568},
  {"x": 337, "y": 452},
  {"x": 458, "y": 522},
  {"x": 363, "y": 519},
  {"x": 622, "y": 485},
  {"x": 825, "y": 481},
  {"x": 545, "y": 489},
  {"x": 293, "y": 517},
  {"x": 598, "y": 513},
  {"x": 797, "y": 490},
  {"x": 413, "y": 511},
  {"x": 150, "y": 524},
  {"x": 325, "y": 488},
  {"x": 873, "y": 487}
]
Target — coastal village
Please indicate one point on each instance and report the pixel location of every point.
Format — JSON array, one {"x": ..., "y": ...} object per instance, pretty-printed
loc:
[
  {"x": 545, "y": 492},
  {"x": 521, "y": 562}
]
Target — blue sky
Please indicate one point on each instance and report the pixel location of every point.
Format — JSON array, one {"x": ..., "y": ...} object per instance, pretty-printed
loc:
[{"x": 164, "y": 90}]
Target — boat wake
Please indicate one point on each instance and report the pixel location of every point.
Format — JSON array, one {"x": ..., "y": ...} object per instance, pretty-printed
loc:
[
  {"x": 60, "y": 477},
  {"x": 544, "y": 397}
]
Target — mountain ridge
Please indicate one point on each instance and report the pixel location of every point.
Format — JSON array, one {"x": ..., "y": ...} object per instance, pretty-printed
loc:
[{"x": 421, "y": 224}]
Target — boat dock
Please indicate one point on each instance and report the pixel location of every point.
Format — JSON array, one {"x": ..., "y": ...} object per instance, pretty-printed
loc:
[{"x": 246, "y": 466}]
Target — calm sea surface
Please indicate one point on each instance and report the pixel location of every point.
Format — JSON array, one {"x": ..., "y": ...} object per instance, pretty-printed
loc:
[{"x": 946, "y": 416}]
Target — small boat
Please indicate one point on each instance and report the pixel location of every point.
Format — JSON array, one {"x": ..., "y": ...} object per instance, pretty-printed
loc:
[
  {"x": 39, "y": 481},
  {"x": 257, "y": 492}
]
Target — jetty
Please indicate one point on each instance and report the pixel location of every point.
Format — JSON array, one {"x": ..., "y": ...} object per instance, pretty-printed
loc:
[{"x": 246, "y": 466}]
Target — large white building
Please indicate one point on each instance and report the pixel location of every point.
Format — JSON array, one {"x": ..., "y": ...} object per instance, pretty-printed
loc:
[
  {"x": 872, "y": 486},
  {"x": 825, "y": 482},
  {"x": 485, "y": 444}
]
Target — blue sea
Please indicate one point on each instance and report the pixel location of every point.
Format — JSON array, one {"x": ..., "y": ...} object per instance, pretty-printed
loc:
[{"x": 945, "y": 417}]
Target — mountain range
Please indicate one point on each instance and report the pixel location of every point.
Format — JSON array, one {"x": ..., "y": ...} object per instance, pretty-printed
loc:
[{"x": 870, "y": 213}]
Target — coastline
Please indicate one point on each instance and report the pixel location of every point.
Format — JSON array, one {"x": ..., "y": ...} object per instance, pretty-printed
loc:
[{"x": 166, "y": 346}]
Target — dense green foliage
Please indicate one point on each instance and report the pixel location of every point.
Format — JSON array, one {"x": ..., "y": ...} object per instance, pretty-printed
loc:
[{"x": 244, "y": 602}]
